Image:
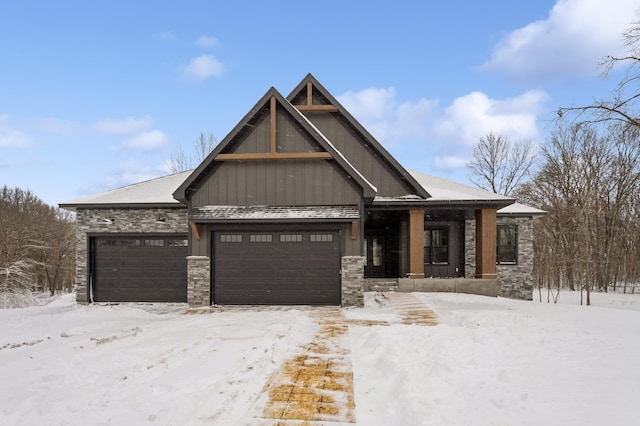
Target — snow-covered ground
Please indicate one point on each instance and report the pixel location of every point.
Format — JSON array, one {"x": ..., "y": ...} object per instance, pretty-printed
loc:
[{"x": 489, "y": 362}]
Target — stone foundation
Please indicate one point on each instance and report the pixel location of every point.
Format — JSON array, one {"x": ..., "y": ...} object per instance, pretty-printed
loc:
[
  {"x": 353, "y": 281},
  {"x": 482, "y": 287},
  {"x": 198, "y": 280}
]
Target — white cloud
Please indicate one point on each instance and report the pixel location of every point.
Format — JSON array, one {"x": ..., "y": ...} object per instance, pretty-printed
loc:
[
  {"x": 146, "y": 141},
  {"x": 472, "y": 116},
  {"x": 449, "y": 162},
  {"x": 576, "y": 35},
  {"x": 207, "y": 41},
  {"x": 444, "y": 134},
  {"x": 203, "y": 67},
  {"x": 380, "y": 113},
  {"x": 58, "y": 127},
  {"x": 126, "y": 126},
  {"x": 127, "y": 173},
  {"x": 166, "y": 36},
  {"x": 10, "y": 136}
]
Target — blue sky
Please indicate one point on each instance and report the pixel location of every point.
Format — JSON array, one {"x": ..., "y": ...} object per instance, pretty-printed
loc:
[{"x": 97, "y": 95}]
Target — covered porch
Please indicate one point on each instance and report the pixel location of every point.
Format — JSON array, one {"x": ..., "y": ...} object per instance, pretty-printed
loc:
[{"x": 425, "y": 249}]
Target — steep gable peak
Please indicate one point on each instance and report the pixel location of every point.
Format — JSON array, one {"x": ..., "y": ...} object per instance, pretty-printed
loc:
[
  {"x": 267, "y": 110},
  {"x": 310, "y": 96}
]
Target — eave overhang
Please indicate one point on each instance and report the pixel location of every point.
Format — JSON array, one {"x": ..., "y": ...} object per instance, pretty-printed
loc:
[{"x": 103, "y": 206}]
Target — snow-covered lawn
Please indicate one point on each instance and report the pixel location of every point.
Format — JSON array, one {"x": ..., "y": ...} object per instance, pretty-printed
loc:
[{"x": 489, "y": 362}]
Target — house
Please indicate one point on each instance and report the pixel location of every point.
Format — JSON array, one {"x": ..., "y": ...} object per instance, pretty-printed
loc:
[{"x": 299, "y": 204}]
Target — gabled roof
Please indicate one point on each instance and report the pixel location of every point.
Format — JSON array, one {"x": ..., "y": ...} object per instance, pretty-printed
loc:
[
  {"x": 446, "y": 190},
  {"x": 150, "y": 193},
  {"x": 158, "y": 193},
  {"x": 245, "y": 126},
  {"x": 517, "y": 209},
  {"x": 373, "y": 143}
]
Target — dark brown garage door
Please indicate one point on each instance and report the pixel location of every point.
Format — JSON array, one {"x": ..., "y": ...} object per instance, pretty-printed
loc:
[
  {"x": 139, "y": 269},
  {"x": 277, "y": 268}
]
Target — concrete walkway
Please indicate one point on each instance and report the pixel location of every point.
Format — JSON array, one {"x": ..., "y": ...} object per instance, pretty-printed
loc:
[
  {"x": 411, "y": 309},
  {"x": 316, "y": 384}
]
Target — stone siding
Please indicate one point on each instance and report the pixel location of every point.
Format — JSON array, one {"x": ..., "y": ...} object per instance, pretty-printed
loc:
[
  {"x": 516, "y": 281},
  {"x": 470, "y": 248},
  {"x": 199, "y": 280},
  {"x": 112, "y": 221},
  {"x": 353, "y": 281}
]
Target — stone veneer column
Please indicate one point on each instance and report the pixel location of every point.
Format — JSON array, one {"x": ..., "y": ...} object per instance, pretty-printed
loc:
[
  {"x": 470, "y": 248},
  {"x": 198, "y": 280},
  {"x": 353, "y": 281}
]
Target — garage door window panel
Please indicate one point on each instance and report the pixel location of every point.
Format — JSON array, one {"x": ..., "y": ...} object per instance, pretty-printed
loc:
[
  {"x": 261, "y": 238},
  {"x": 231, "y": 238},
  {"x": 290, "y": 238},
  {"x": 321, "y": 238}
]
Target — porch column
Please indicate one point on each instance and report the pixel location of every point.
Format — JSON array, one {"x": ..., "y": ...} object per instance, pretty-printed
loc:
[
  {"x": 486, "y": 243},
  {"x": 416, "y": 244}
]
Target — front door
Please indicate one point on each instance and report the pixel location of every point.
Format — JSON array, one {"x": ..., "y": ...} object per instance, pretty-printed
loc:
[{"x": 374, "y": 247}]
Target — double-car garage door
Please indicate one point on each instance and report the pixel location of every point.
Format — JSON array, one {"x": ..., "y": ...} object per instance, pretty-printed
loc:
[
  {"x": 139, "y": 269},
  {"x": 248, "y": 268},
  {"x": 276, "y": 268}
]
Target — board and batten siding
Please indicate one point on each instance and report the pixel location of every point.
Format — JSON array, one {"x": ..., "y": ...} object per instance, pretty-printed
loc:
[
  {"x": 290, "y": 137},
  {"x": 277, "y": 183},
  {"x": 364, "y": 159}
]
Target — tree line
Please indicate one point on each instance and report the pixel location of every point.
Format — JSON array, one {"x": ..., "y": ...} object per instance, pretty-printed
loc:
[
  {"x": 586, "y": 176},
  {"x": 37, "y": 244}
]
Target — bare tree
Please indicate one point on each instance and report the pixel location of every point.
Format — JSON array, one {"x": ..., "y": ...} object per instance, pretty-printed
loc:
[
  {"x": 625, "y": 98},
  {"x": 180, "y": 161},
  {"x": 499, "y": 165},
  {"x": 588, "y": 183},
  {"x": 37, "y": 244}
]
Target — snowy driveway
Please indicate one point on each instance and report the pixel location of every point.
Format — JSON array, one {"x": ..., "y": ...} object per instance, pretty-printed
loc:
[{"x": 488, "y": 362}]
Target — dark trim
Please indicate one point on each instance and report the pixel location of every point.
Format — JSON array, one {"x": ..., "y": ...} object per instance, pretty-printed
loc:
[
  {"x": 395, "y": 165},
  {"x": 91, "y": 236},
  {"x": 517, "y": 245},
  {"x": 525, "y": 215},
  {"x": 272, "y": 221},
  {"x": 440, "y": 205},
  {"x": 122, "y": 206},
  {"x": 181, "y": 194},
  {"x": 213, "y": 229},
  {"x": 135, "y": 234}
]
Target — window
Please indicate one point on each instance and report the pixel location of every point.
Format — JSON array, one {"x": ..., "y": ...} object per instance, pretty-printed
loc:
[
  {"x": 154, "y": 243},
  {"x": 231, "y": 238},
  {"x": 507, "y": 245},
  {"x": 175, "y": 242},
  {"x": 290, "y": 238},
  {"x": 260, "y": 238},
  {"x": 436, "y": 246}
]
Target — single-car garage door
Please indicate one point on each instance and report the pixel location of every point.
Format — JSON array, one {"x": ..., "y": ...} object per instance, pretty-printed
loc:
[
  {"x": 139, "y": 269},
  {"x": 277, "y": 268}
]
